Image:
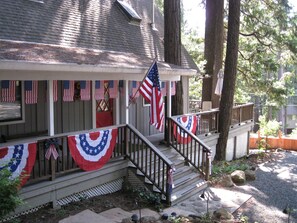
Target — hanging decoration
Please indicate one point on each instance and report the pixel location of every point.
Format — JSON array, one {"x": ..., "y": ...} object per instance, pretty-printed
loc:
[
  {"x": 92, "y": 150},
  {"x": 99, "y": 90},
  {"x": 8, "y": 91},
  {"x": 85, "y": 90},
  {"x": 189, "y": 123},
  {"x": 31, "y": 92},
  {"x": 113, "y": 89},
  {"x": 51, "y": 146},
  {"x": 68, "y": 90},
  {"x": 19, "y": 160}
]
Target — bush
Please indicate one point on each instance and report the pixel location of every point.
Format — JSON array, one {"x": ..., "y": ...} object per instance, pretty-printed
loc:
[
  {"x": 9, "y": 197},
  {"x": 270, "y": 128}
]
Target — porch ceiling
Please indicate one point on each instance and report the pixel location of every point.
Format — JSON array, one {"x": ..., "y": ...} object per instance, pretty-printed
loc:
[{"x": 27, "y": 61}]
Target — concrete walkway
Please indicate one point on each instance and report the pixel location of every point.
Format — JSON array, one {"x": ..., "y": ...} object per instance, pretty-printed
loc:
[{"x": 214, "y": 198}]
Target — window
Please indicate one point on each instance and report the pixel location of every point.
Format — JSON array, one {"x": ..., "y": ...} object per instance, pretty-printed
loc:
[
  {"x": 128, "y": 11},
  {"x": 11, "y": 102}
]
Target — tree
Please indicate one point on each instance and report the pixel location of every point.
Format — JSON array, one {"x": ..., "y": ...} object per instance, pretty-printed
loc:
[
  {"x": 214, "y": 44},
  {"x": 226, "y": 103},
  {"x": 172, "y": 45}
]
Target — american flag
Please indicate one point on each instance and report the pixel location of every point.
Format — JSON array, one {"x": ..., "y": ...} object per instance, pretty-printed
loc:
[
  {"x": 163, "y": 88},
  {"x": 150, "y": 89},
  {"x": 173, "y": 88},
  {"x": 85, "y": 90},
  {"x": 8, "y": 91},
  {"x": 99, "y": 90},
  {"x": 31, "y": 91},
  {"x": 134, "y": 89},
  {"x": 68, "y": 90},
  {"x": 113, "y": 89}
]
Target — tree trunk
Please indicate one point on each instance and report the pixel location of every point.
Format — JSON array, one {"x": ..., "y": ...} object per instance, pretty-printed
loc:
[
  {"x": 172, "y": 45},
  {"x": 226, "y": 103},
  {"x": 213, "y": 50}
]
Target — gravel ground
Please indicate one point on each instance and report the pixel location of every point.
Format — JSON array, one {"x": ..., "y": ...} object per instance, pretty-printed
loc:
[{"x": 274, "y": 189}]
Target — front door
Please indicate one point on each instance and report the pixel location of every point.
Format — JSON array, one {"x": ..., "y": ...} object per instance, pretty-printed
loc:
[{"x": 104, "y": 107}]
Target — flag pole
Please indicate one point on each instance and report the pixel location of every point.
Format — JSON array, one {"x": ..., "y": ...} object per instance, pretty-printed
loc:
[{"x": 155, "y": 60}]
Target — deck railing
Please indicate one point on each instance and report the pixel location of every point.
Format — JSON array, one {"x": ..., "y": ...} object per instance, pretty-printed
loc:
[
  {"x": 194, "y": 151},
  {"x": 208, "y": 120},
  {"x": 130, "y": 144}
]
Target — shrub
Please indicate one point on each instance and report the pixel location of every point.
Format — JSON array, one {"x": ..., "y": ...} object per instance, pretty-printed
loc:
[
  {"x": 9, "y": 197},
  {"x": 270, "y": 128}
]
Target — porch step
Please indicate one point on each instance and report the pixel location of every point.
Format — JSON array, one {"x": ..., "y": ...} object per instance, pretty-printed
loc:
[{"x": 186, "y": 179}]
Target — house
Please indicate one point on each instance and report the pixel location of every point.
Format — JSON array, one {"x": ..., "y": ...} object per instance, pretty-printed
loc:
[{"x": 71, "y": 65}]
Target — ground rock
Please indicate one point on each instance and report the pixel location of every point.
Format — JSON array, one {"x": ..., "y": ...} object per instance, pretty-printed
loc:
[
  {"x": 250, "y": 175},
  {"x": 238, "y": 177},
  {"x": 222, "y": 214},
  {"x": 226, "y": 181}
]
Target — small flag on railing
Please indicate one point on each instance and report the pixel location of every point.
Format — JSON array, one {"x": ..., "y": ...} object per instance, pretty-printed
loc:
[
  {"x": 113, "y": 89},
  {"x": 99, "y": 90},
  {"x": 135, "y": 86},
  {"x": 51, "y": 151},
  {"x": 31, "y": 91},
  {"x": 85, "y": 90},
  {"x": 8, "y": 91},
  {"x": 68, "y": 90},
  {"x": 150, "y": 89}
]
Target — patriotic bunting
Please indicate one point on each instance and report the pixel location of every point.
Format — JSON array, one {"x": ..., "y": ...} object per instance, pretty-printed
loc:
[
  {"x": 113, "y": 89},
  {"x": 8, "y": 91},
  {"x": 150, "y": 89},
  {"x": 92, "y": 150},
  {"x": 99, "y": 90},
  {"x": 164, "y": 89},
  {"x": 189, "y": 123},
  {"x": 134, "y": 87},
  {"x": 31, "y": 91},
  {"x": 19, "y": 159},
  {"x": 68, "y": 90},
  {"x": 85, "y": 90},
  {"x": 173, "y": 88}
]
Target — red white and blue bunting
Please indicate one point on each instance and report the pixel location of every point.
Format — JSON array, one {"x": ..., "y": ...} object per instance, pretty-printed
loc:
[
  {"x": 92, "y": 150},
  {"x": 19, "y": 160},
  {"x": 189, "y": 123}
]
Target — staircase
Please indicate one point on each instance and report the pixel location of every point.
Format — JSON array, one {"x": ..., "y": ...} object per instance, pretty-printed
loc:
[{"x": 186, "y": 179}]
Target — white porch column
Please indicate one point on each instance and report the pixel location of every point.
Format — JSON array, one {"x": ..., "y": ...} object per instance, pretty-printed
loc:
[
  {"x": 117, "y": 109},
  {"x": 93, "y": 106},
  {"x": 126, "y": 93},
  {"x": 50, "y": 99},
  {"x": 168, "y": 92}
]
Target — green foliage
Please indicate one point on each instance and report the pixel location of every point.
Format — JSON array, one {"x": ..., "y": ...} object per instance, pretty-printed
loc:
[
  {"x": 269, "y": 128},
  {"x": 294, "y": 133},
  {"x": 225, "y": 167},
  {"x": 9, "y": 197}
]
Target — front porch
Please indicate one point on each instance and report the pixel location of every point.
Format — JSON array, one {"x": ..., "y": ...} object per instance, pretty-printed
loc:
[{"x": 138, "y": 159}]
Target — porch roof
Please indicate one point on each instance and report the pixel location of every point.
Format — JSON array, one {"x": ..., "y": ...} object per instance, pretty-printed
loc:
[{"x": 35, "y": 61}]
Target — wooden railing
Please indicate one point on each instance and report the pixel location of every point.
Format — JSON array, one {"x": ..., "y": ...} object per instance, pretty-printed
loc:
[
  {"x": 148, "y": 160},
  {"x": 130, "y": 144},
  {"x": 209, "y": 120},
  {"x": 194, "y": 151}
]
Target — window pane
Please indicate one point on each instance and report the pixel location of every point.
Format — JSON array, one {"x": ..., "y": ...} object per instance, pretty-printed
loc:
[{"x": 10, "y": 101}]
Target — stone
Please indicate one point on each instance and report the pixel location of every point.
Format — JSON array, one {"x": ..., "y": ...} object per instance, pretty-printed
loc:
[
  {"x": 226, "y": 181},
  {"x": 222, "y": 214},
  {"x": 238, "y": 177},
  {"x": 250, "y": 175}
]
